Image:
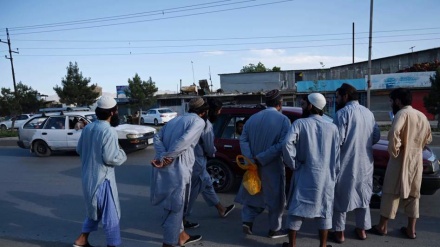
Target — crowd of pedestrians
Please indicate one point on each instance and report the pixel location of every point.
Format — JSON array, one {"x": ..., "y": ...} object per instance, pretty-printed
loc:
[{"x": 332, "y": 164}]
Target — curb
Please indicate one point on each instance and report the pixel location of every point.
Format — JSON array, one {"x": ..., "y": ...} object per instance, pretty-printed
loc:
[{"x": 8, "y": 142}]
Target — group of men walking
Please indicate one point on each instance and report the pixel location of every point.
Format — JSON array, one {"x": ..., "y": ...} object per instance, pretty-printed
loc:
[{"x": 332, "y": 165}]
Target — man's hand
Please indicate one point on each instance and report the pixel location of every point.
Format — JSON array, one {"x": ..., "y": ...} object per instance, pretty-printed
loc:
[
  {"x": 167, "y": 160},
  {"x": 159, "y": 164}
]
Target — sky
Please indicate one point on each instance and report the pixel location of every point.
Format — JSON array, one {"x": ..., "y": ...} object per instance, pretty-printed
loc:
[{"x": 172, "y": 41}]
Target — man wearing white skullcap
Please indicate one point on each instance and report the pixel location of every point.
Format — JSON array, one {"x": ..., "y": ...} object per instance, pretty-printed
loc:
[
  {"x": 311, "y": 150},
  {"x": 261, "y": 140},
  {"x": 99, "y": 152},
  {"x": 172, "y": 168}
]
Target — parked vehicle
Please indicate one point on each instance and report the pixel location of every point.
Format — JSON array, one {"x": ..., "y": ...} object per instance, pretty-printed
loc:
[
  {"x": 44, "y": 134},
  {"x": 226, "y": 173},
  {"x": 157, "y": 116},
  {"x": 19, "y": 121}
]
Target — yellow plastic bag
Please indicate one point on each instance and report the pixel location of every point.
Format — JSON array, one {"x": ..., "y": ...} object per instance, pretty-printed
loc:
[{"x": 251, "y": 181}]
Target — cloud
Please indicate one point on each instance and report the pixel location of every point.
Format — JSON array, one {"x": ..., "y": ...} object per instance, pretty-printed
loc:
[
  {"x": 279, "y": 58},
  {"x": 213, "y": 53},
  {"x": 268, "y": 52}
]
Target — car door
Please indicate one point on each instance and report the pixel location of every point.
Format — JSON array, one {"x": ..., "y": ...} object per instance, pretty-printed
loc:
[
  {"x": 54, "y": 132},
  {"x": 150, "y": 116},
  {"x": 21, "y": 119},
  {"x": 73, "y": 135}
]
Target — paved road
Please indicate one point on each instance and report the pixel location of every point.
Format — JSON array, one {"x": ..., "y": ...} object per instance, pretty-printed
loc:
[{"x": 41, "y": 204}]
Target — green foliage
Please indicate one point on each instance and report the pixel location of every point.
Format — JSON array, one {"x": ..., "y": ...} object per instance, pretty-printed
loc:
[
  {"x": 432, "y": 100},
  {"x": 141, "y": 92},
  {"x": 276, "y": 69},
  {"x": 252, "y": 68},
  {"x": 75, "y": 88},
  {"x": 26, "y": 101},
  {"x": 8, "y": 133}
]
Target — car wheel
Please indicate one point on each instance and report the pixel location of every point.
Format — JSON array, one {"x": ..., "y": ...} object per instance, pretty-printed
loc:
[
  {"x": 142, "y": 121},
  {"x": 377, "y": 191},
  {"x": 41, "y": 149},
  {"x": 156, "y": 122},
  {"x": 222, "y": 177},
  {"x": 3, "y": 127}
]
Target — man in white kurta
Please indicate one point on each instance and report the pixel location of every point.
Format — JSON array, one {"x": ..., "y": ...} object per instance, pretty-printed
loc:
[
  {"x": 410, "y": 132},
  {"x": 311, "y": 150},
  {"x": 261, "y": 140},
  {"x": 100, "y": 153},
  {"x": 358, "y": 133},
  {"x": 172, "y": 168}
]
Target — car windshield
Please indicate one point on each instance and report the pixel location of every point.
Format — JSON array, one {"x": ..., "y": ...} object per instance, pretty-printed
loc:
[{"x": 165, "y": 111}]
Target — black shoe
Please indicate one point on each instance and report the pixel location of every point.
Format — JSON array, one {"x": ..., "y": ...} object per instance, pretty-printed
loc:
[
  {"x": 277, "y": 234},
  {"x": 192, "y": 239},
  {"x": 247, "y": 228},
  {"x": 228, "y": 210},
  {"x": 190, "y": 225}
]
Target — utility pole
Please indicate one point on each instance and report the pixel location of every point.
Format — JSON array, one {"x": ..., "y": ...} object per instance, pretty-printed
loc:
[
  {"x": 12, "y": 63},
  {"x": 210, "y": 78},
  {"x": 13, "y": 73},
  {"x": 194, "y": 79},
  {"x": 369, "y": 54}
]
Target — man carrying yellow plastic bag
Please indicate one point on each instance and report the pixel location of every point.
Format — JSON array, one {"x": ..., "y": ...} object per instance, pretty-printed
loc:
[{"x": 261, "y": 141}]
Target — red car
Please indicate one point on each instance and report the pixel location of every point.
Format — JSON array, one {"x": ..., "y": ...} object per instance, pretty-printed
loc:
[{"x": 226, "y": 174}]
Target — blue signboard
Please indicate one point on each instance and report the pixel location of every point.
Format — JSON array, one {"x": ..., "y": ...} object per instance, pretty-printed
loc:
[{"x": 328, "y": 85}]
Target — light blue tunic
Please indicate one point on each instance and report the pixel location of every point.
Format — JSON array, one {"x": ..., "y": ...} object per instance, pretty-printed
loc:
[
  {"x": 201, "y": 181},
  {"x": 311, "y": 150},
  {"x": 358, "y": 132},
  {"x": 205, "y": 148},
  {"x": 177, "y": 140},
  {"x": 262, "y": 137},
  {"x": 99, "y": 152}
]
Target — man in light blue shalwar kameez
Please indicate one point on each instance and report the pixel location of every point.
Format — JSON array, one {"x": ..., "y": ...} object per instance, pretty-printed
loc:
[
  {"x": 99, "y": 151},
  {"x": 261, "y": 140},
  {"x": 172, "y": 168},
  {"x": 359, "y": 132},
  {"x": 311, "y": 150},
  {"x": 201, "y": 182}
]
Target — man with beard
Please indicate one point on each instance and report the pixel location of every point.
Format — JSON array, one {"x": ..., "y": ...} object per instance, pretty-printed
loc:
[
  {"x": 99, "y": 152},
  {"x": 261, "y": 140},
  {"x": 311, "y": 150},
  {"x": 409, "y": 133},
  {"x": 201, "y": 181},
  {"x": 172, "y": 168},
  {"x": 358, "y": 133}
]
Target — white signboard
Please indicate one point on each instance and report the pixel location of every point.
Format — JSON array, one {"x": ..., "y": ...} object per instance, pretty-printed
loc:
[{"x": 407, "y": 80}]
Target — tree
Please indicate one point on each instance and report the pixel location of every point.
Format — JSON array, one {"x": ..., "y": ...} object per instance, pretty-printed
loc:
[
  {"x": 252, "y": 68},
  {"x": 432, "y": 100},
  {"x": 276, "y": 69},
  {"x": 75, "y": 88},
  {"x": 141, "y": 92},
  {"x": 25, "y": 102}
]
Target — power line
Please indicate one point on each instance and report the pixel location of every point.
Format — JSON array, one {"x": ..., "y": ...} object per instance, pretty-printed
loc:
[
  {"x": 156, "y": 19},
  {"x": 232, "y": 38},
  {"x": 127, "y": 16},
  {"x": 207, "y": 45},
  {"x": 223, "y": 50}
]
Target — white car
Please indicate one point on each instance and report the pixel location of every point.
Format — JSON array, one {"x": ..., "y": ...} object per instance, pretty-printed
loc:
[
  {"x": 19, "y": 121},
  {"x": 43, "y": 134},
  {"x": 157, "y": 116}
]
